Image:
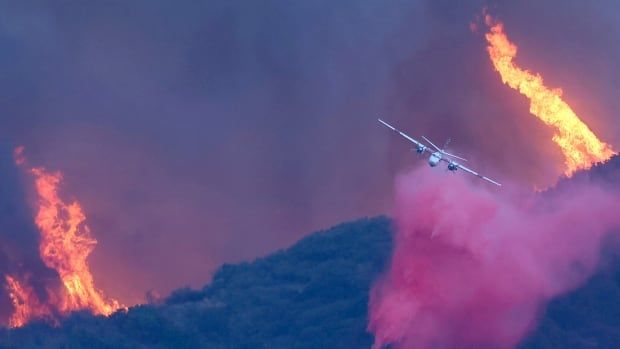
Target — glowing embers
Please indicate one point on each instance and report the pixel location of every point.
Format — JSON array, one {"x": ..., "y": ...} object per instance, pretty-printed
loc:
[{"x": 580, "y": 146}]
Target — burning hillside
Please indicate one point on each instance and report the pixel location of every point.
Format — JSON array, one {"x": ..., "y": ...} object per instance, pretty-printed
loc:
[
  {"x": 472, "y": 268},
  {"x": 580, "y": 146},
  {"x": 64, "y": 246}
]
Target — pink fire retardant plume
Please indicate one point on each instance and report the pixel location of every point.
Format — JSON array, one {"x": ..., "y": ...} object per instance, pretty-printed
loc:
[{"x": 473, "y": 266}]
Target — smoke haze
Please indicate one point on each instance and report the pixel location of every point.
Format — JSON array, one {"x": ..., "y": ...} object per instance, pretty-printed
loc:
[{"x": 199, "y": 132}]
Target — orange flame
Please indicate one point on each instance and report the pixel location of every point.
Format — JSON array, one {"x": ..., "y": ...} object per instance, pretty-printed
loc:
[
  {"x": 65, "y": 245},
  {"x": 579, "y": 144},
  {"x": 26, "y": 304}
]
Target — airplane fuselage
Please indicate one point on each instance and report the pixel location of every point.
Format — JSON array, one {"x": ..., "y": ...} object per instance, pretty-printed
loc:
[
  {"x": 434, "y": 159},
  {"x": 439, "y": 155}
]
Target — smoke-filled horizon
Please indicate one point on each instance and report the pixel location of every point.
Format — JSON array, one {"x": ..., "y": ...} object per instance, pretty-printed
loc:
[{"x": 196, "y": 133}]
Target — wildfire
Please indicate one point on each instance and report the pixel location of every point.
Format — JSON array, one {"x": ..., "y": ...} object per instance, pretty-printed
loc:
[
  {"x": 64, "y": 246},
  {"x": 26, "y": 303},
  {"x": 580, "y": 146}
]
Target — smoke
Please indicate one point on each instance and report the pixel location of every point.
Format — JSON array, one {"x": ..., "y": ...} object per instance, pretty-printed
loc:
[
  {"x": 19, "y": 238},
  {"x": 473, "y": 267},
  {"x": 200, "y": 132}
]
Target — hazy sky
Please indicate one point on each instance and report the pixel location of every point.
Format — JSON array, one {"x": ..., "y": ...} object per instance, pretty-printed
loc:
[{"x": 201, "y": 132}]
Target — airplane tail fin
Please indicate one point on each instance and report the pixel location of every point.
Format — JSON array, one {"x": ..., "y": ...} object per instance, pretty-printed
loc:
[
  {"x": 432, "y": 144},
  {"x": 443, "y": 151}
]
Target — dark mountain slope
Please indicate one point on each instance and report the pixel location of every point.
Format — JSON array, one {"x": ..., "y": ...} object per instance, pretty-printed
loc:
[
  {"x": 312, "y": 295},
  {"x": 315, "y": 295},
  {"x": 586, "y": 318}
]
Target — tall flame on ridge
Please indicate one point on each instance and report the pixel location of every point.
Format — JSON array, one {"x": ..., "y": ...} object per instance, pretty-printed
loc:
[
  {"x": 64, "y": 246},
  {"x": 580, "y": 146}
]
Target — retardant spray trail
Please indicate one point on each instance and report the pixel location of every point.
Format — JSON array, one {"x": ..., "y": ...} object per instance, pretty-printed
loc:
[
  {"x": 473, "y": 268},
  {"x": 580, "y": 146}
]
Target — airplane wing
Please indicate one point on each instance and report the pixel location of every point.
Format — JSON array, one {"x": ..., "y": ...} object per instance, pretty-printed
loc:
[
  {"x": 474, "y": 173},
  {"x": 403, "y": 134}
]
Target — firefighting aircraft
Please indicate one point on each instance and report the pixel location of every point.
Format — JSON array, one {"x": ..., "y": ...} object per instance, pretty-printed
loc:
[{"x": 438, "y": 154}]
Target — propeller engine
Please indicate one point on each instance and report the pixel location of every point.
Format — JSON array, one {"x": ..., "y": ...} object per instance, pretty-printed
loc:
[{"x": 439, "y": 154}]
